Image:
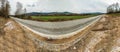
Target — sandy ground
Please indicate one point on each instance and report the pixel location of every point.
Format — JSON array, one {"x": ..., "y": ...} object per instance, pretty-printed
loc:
[
  {"x": 104, "y": 37},
  {"x": 14, "y": 39}
]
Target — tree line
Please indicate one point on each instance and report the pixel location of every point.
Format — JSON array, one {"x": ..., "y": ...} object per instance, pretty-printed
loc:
[
  {"x": 114, "y": 8},
  {"x": 20, "y": 11},
  {"x": 4, "y": 8}
]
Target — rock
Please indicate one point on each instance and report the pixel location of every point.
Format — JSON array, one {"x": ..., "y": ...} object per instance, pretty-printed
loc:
[
  {"x": 9, "y": 26},
  {"x": 74, "y": 48}
]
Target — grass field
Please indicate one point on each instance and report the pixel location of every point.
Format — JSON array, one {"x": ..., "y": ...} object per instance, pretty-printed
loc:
[{"x": 59, "y": 18}]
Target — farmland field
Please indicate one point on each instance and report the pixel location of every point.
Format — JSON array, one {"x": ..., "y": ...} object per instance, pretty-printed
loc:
[{"x": 59, "y": 18}]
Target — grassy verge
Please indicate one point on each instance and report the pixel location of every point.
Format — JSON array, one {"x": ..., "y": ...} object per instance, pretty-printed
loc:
[
  {"x": 114, "y": 14},
  {"x": 59, "y": 18}
]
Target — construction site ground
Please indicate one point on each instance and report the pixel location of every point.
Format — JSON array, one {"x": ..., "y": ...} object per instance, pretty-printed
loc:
[{"x": 103, "y": 37}]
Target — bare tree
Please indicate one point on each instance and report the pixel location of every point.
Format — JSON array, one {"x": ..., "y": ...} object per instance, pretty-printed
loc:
[
  {"x": 19, "y": 8},
  {"x": 114, "y": 8},
  {"x": 5, "y": 8}
]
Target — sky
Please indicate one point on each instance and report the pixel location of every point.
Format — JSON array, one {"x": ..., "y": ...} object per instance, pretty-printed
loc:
[{"x": 75, "y": 6}]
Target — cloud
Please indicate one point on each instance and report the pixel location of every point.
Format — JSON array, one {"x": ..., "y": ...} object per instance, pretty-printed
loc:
[{"x": 76, "y": 6}]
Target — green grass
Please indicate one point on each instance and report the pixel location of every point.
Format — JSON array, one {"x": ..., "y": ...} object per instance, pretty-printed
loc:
[{"x": 59, "y": 18}]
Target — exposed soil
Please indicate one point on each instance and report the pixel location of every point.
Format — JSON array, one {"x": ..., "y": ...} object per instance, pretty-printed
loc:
[
  {"x": 103, "y": 37},
  {"x": 2, "y": 22},
  {"x": 13, "y": 38}
]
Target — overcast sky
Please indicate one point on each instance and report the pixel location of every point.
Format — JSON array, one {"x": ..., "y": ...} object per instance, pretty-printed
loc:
[{"x": 75, "y": 6}]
